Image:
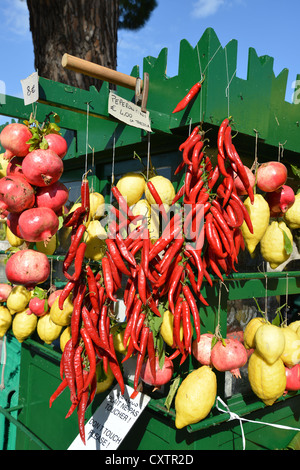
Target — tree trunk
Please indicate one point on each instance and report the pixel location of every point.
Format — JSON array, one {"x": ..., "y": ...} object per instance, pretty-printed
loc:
[{"x": 84, "y": 28}]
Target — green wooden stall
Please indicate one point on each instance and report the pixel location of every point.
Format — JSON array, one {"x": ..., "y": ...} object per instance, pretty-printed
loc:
[{"x": 267, "y": 126}]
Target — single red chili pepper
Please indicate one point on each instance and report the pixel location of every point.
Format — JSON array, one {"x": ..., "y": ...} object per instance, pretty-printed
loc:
[
  {"x": 85, "y": 196},
  {"x": 78, "y": 370},
  {"x": 193, "y": 309},
  {"x": 78, "y": 263},
  {"x": 102, "y": 328},
  {"x": 122, "y": 202},
  {"x": 116, "y": 256},
  {"x": 195, "y": 190},
  {"x": 188, "y": 97},
  {"x": 198, "y": 262},
  {"x": 180, "y": 193},
  {"x": 221, "y": 165},
  {"x": 76, "y": 314},
  {"x": 174, "y": 282},
  {"x": 145, "y": 252},
  {"x": 240, "y": 170},
  {"x": 90, "y": 328},
  {"x": 62, "y": 386},
  {"x": 188, "y": 181},
  {"x": 174, "y": 355},
  {"x": 157, "y": 199},
  {"x": 212, "y": 237},
  {"x": 179, "y": 168},
  {"x": 69, "y": 372},
  {"x": 151, "y": 353},
  {"x": 221, "y": 136},
  {"x": 245, "y": 212},
  {"x": 229, "y": 186},
  {"x": 153, "y": 307},
  {"x": 124, "y": 251},
  {"x": 75, "y": 217},
  {"x": 135, "y": 316},
  {"x": 108, "y": 279},
  {"x": 214, "y": 177},
  {"x": 142, "y": 285},
  {"x": 194, "y": 285},
  {"x": 141, "y": 355},
  {"x": 117, "y": 276},
  {"x": 176, "y": 325},
  {"x": 68, "y": 288},
  {"x": 93, "y": 289},
  {"x": 197, "y": 156},
  {"x": 130, "y": 350},
  {"x": 194, "y": 132},
  {"x": 75, "y": 241},
  {"x": 81, "y": 409},
  {"x": 91, "y": 355},
  {"x": 239, "y": 215},
  {"x": 189, "y": 147},
  {"x": 187, "y": 326}
]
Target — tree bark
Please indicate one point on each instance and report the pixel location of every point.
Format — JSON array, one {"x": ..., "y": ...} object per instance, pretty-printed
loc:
[{"x": 84, "y": 28}]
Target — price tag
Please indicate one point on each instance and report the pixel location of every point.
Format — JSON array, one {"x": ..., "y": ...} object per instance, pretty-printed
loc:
[
  {"x": 116, "y": 415},
  {"x": 128, "y": 112},
  {"x": 30, "y": 86}
]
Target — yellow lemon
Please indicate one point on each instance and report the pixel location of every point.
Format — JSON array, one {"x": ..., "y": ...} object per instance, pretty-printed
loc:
[
  {"x": 259, "y": 213},
  {"x": 47, "y": 330},
  {"x": 13, "y": 239},
  {"x": 118, "y": 335},
  {"x": 94, "y": 237},
  {"x": 3, "y": 165},
  {"x": 64, "y": 337},
  {"x": 272, "y": 246},
  {"x": 18, "y": 299},
  {"x": 291, "y": 353},
  {"x": 250, "y": 330},
  {"x": 62, "y": 317},
  {"x": 132, "y": 187},
  {"x": 24, "y": 325},
  {"x": 104, "y": 380},
  {"x": 165, "y": 189},
  {"x": 292, "y": 215},
  {"x": 5, "y": 320},
  {"x": 142, "y": 207},
  {"x": 295, "y": 325},
  {"x": 166, "y": 328},
  {"x": 267, "y": 381},
  {"x": 97, "y": 205},
  {"x": 49, "y": 248},
  {"x": 195, "y": 396},
  {"x": 269, "y": 342}
]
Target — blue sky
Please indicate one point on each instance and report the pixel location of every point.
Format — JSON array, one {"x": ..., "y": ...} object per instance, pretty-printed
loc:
[{"x": 270, "y": 26}]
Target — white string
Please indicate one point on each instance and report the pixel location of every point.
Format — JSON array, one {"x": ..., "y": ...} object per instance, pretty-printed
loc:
[
  {"x": 148, "y": 155},
  {"x": 87, "y": 135},
  {"x": 228, "y": 81},
  {"x": 235, "y": 416}
]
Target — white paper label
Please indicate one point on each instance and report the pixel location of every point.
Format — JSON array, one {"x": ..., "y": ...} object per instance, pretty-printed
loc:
[
  {"x": 128, "y": 112},
  {"x": 30, "y": 87},
  {"x": 116, "y": 415}
]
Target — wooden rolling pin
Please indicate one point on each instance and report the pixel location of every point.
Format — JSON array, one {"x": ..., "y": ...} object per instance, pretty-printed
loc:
[{"x": 98, "y": 71}]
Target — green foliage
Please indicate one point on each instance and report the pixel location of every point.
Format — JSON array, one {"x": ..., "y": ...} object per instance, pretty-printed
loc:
[{"x": 133, "y": 14}]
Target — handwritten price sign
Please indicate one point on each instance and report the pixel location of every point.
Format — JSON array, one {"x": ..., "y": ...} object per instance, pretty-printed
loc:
[{"x": 30, "y": 86}]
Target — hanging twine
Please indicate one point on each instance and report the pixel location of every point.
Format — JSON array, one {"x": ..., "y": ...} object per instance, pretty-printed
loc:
[
  {"x": 227, "y": 94},
  {"x": 217, "y": 330}
]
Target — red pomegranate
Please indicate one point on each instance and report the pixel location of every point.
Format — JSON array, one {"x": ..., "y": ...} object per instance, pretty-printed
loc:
[
  {"x": 13, "y": 138},
  {"x": 15, "y": 166},
  {"x": 229, "y": 354},
  {"x": 271, "y": 175},
  {"x": 16, "y": 193},
  {"x": 27, "y": 268},
  {"x": 53, "y": 196},
  {"x": 162, "y": 375},
  {"x": 42, "y": 167},
  {"x": 57, "y": 143},
  {"x": 38, "y": 224},
  {"x": 38, "y": 306},
  {"x": 281, "y": 200}
]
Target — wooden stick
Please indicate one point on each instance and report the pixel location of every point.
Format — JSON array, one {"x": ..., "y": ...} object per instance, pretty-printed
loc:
[{"x": 98, "y": 71}]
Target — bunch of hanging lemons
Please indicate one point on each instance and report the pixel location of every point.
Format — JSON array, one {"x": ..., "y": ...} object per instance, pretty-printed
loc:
[{"x": 275, "y": 348}]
